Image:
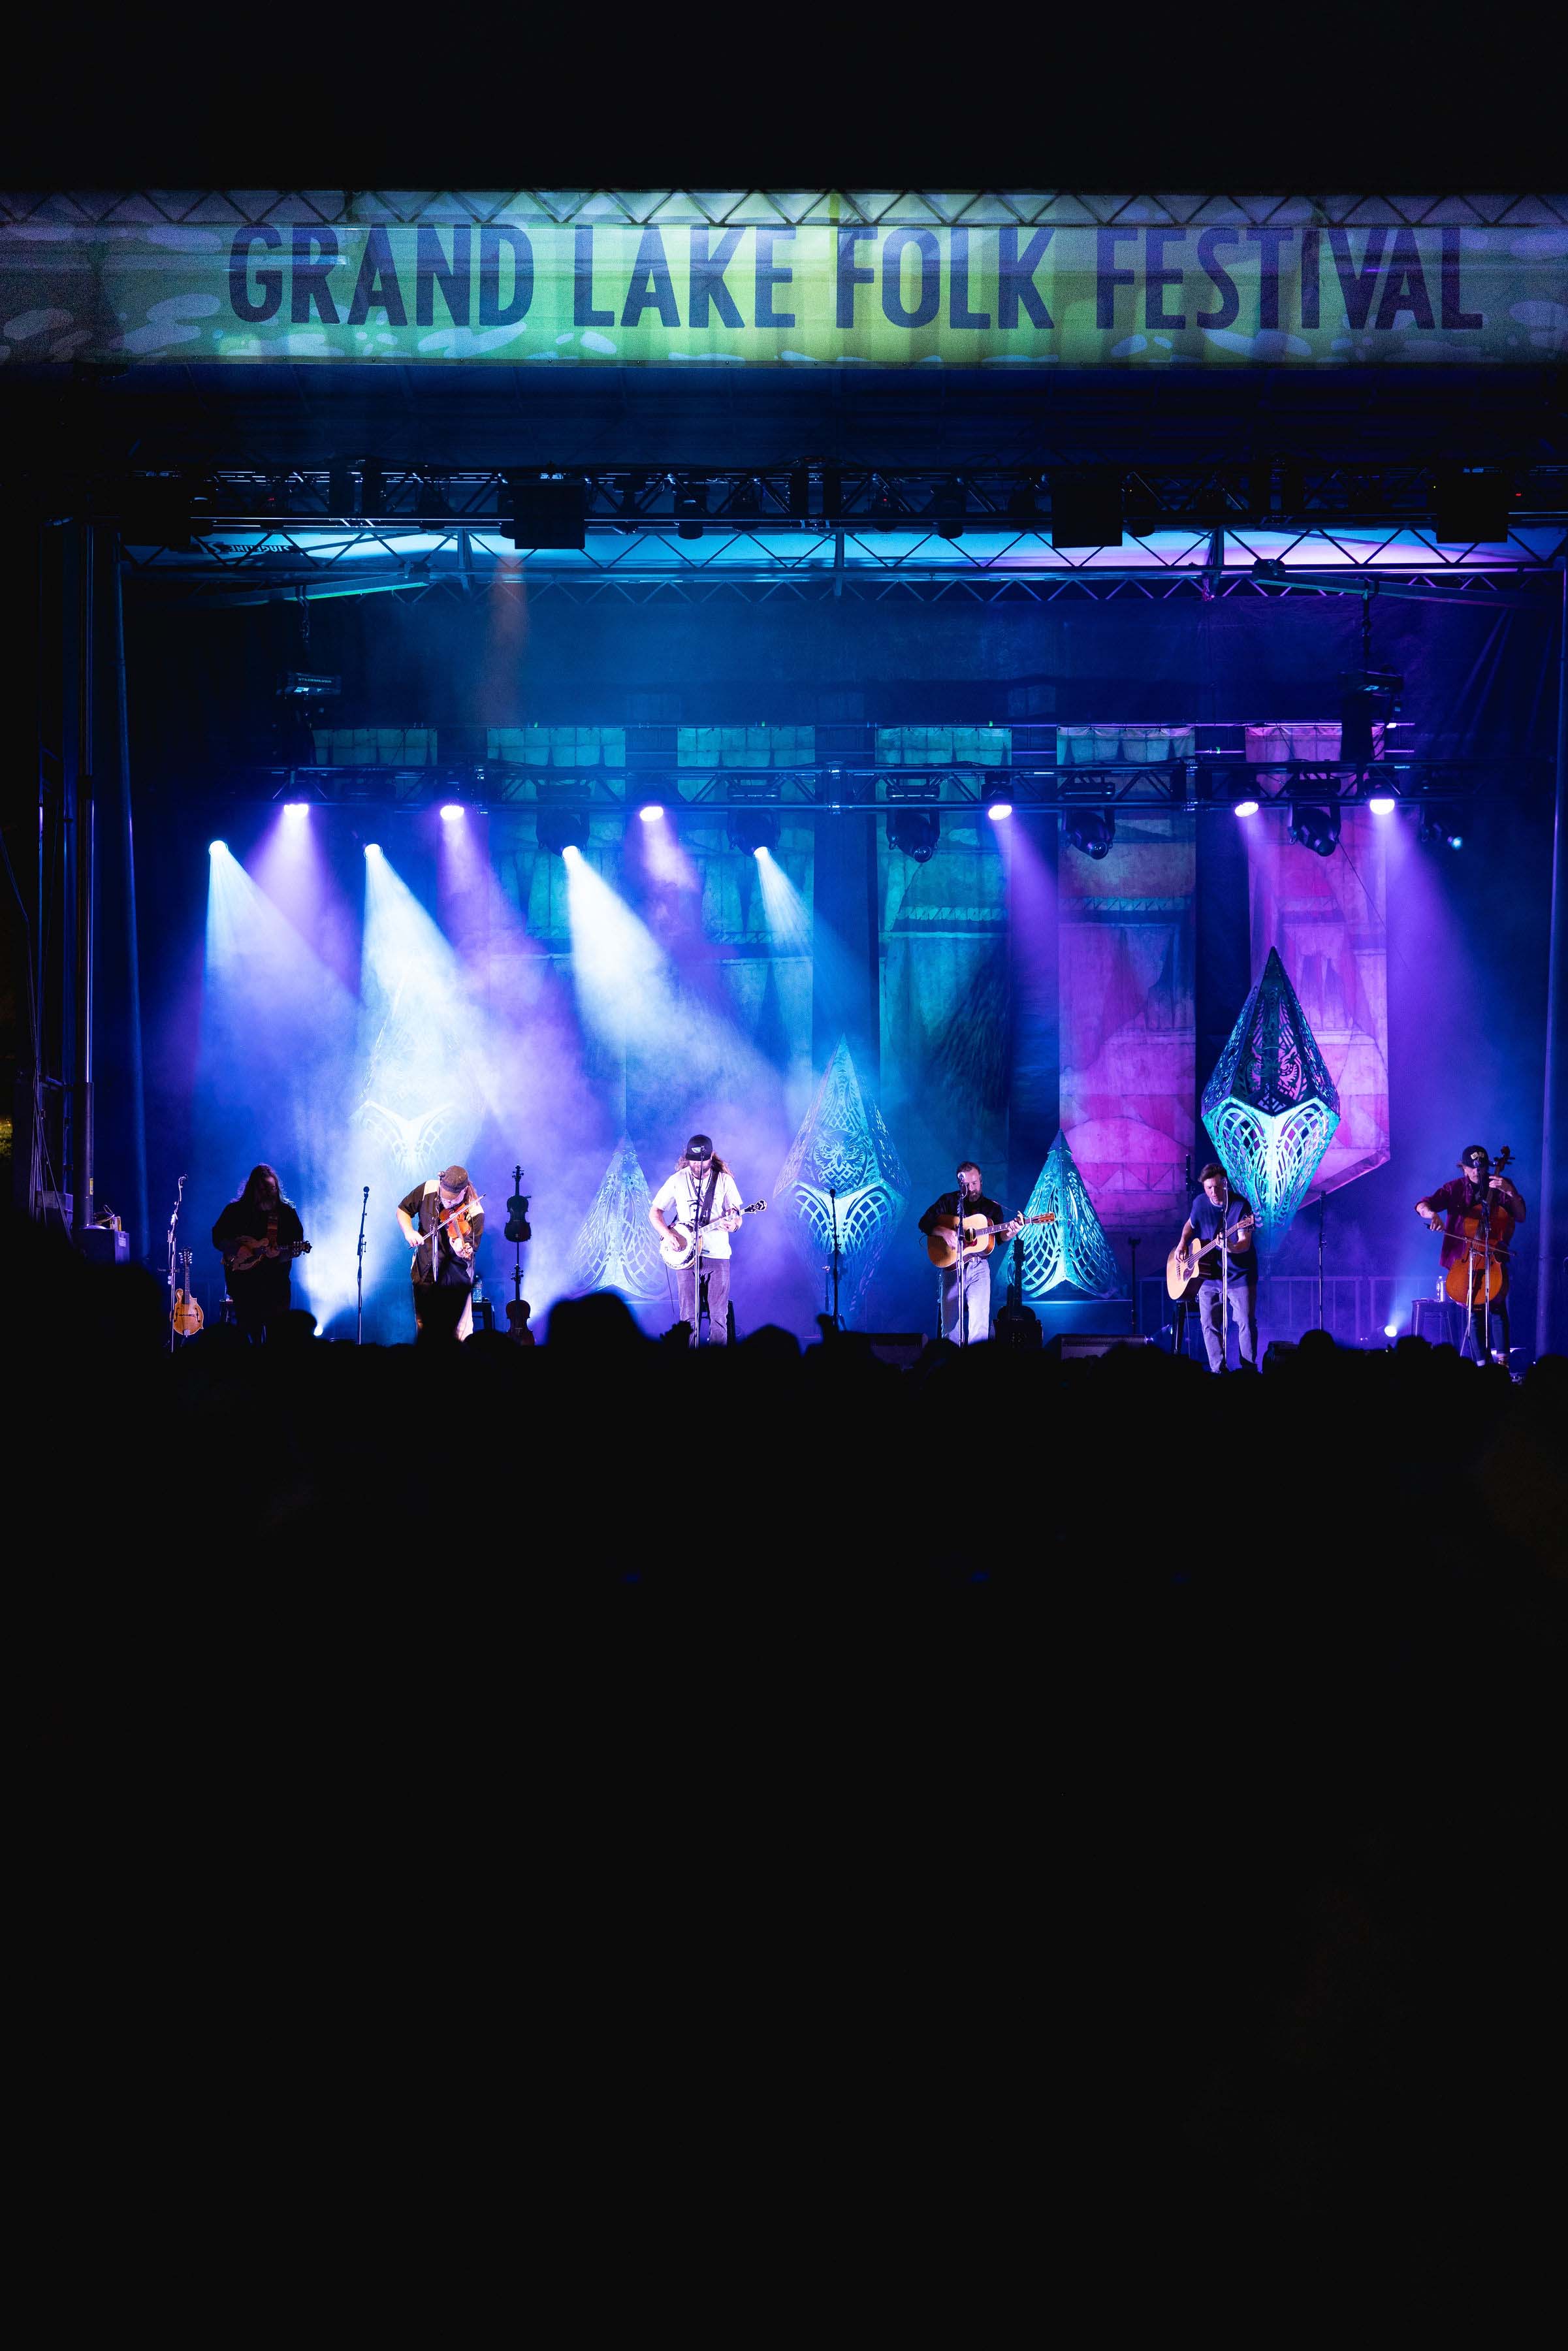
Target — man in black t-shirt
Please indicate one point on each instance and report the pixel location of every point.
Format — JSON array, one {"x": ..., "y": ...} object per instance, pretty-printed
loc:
[
  {"x": 443, "y": 1270},
  {"x": 258, "y": 1275},
  {"x": 1217, "y": 1209},
  {"x": 967, "y": 1286}
]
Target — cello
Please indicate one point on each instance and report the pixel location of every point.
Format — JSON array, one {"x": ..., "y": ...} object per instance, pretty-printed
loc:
[{"x": 1480, "y": 1278}]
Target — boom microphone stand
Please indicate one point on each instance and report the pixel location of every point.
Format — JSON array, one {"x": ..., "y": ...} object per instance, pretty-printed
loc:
[
  {"x": 359, "y": 1273},
  {"x": 833, "y": 1204}
]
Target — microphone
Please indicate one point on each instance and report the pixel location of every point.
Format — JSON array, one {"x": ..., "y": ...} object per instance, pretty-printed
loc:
[{"x": 366, "y": 1191}]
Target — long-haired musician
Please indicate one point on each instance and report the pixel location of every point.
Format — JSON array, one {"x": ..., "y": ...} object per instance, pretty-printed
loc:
[
  {"x": 258, "y": 1235},
  {"x": 701, "y": 1195}
]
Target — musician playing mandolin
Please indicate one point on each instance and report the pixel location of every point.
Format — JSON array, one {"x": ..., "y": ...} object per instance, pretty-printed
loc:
[
  {"x": 1456, "y": 1210},
  {"x": 966, "y": 1285},
  {"x": 442, "y": 1222},
  {"x": 701, "y": 1193},
  {"x": 259, "y": 1235},
  {"x": 1216, "y": 1210}
]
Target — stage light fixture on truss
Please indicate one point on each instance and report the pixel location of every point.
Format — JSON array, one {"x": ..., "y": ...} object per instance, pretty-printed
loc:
[
  {"x": 949, "y": 502},
  {"x": 1437, "y": 831},
  {"x": 917, "y": 831},
  {"x": 544, "y": 510},
  {"x": 1086, "y": 508},
  {"x": 900, "y": 787},
  {"x": 560, "y": 829},
  {"x": 1368, "y": 699},
  {"x": 1316, "y": 828},
  {"x": 753, "y": 829},
  {"x": 995, "y": 797},
  {"x": 430, "y": 500},
  {"x": 1091, "y": 830},
  {"x": 1244, "y": 806},
  {"x": 340, "y": 492},
  {"x": 1022, "y": 504},
  {"x": 689, "y": 505}
]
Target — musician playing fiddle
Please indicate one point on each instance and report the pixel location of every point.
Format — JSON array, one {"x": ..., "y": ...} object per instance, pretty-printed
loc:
[
  {"x": 1480, "y": 1199},
  {"x": 442, "y": 1222}
]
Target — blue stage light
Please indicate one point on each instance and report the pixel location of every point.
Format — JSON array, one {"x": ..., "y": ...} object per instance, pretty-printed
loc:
[
  {"x": 452, "y": 811},
  {"x": 1381, "y": 804},
  {"x": 650, "y": 813},
  {"x": 1246, "y": 808},
  {"x": 372, "y": 848},
  {"x": 998, "y": 809},
  {"x": 216, "y": 846}
]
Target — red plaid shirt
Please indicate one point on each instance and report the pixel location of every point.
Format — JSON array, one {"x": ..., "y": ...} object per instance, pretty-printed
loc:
[{"x": 1456, "y": 1200}]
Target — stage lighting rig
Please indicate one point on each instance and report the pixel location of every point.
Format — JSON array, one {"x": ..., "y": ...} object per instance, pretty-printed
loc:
[
  {"x": 1316, "y": 828},
  {"x": 995, "y": 797},
  {"x": 563, "y": 828},
  {"x": 948, "y": 503},
  {"x": 1086, "y": 508},
  {"x": 689, "y": 505},
  {"x": 899, "y": 787},
  {"x": 1369, "y": 698},
  {"x": 755, "y": 829},
  {"x": 1091, "y": 830},
  {"x": 916, "y": 831},
  {"x": 544, "y": 510}
]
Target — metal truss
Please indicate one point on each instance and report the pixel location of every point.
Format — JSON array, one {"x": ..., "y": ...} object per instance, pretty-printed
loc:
[
  {"x": 1280, "y": 495},
  {"x": 1210, "y": 783},
  {"x": 144, "y": 208}
]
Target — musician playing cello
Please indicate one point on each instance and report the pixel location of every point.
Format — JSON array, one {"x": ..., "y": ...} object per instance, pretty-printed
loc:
[
  {"x": 1479, "y": 1195},
  {"x": 967, "y": 1286}
]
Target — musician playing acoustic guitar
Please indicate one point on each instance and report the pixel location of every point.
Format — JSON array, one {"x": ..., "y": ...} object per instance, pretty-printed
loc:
[
  {"x": 1219, "y": 1210},
  {"x": 966, "y": 1285},
  {"x": 259, "y": 1235},
  {"x": 1480, "y": 1186}
]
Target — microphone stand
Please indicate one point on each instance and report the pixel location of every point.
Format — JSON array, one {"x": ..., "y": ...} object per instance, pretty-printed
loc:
[
  {"x": 359, "y": 1273},
  {"x": 1224, "y": 1283},
  {"x": 833, "y": 1202},
  {"x": 1323, "y": 1211},
  {"x": 173, "y": 1260}
]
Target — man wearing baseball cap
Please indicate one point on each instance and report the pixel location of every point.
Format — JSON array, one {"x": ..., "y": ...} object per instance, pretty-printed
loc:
[
  {"x": 442, "y": 1222},
  {"x": 701, "y": 1195}
]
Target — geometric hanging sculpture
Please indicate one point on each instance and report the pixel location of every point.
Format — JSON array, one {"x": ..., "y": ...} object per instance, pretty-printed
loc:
[
  {"x": 845, "y": 1147},
  {"x": 617, "y": 1248},
  {"x": 1074, "y": 1248},
  {"x": 1271, "y": 1107}
]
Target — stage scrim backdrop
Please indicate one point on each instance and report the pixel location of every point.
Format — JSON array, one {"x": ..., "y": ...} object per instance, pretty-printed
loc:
[{"x": 594, "y": 277}]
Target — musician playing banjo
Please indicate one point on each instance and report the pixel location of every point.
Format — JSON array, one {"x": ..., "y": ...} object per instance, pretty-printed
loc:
[
  {"x": 701, "y": 1197},
  {"x": 1218, "y": 1211},
  {"x": 966, "y": 1285}
]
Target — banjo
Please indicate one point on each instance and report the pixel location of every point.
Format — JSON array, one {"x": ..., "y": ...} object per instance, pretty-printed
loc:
[{"x": 679, "y": 1248}]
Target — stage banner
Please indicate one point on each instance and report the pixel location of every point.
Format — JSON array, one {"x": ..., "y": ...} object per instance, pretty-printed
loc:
[
  {"x": 1127, "y": 929},
  {"x": 945, "y": 1002},
  {"x": 1222, "y": 288},
  {"x": 1328, "y": 917}
]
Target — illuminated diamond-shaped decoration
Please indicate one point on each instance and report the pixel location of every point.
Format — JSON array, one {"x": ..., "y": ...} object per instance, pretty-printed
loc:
[
  {"x": 1271, "y": 1107},
  {"x": 616, "y": 1248},
  {"x": 1073, "y": 1250},
  {"x": 842, "y": 1145}
]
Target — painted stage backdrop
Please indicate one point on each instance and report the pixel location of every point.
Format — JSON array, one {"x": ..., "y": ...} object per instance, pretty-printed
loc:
[
  {"x": 1328, "y": 917},
  {"x": 1126, "y": 931}
]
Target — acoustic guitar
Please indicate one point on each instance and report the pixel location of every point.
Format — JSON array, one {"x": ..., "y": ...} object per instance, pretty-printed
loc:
[
  {"x": 186, "y": 1314},
  {"x": 260, "y": 1250},
  {"x": 1183, "y": 1273},
  {"x": 979, "y": 1237},
  {"x": 680, "y": 1248}
]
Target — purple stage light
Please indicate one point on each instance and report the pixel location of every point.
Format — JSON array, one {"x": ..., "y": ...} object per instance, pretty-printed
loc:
[
  {"x": 216, "y": 846},
  {"x": 1391, "y": 1330},
  {"x": 998, "y": 809},
  {"x": 1381, "y": 804},
  {"x": 650, "y": 813},
  {"x": 295, "y": 808},
  {"x": 1246, "y": 808},
  {"x": 452, "y": 811}
]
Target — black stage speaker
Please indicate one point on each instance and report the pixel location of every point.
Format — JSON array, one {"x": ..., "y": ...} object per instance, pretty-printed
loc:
[
  {"x": 900, "y": 1348},
  {"x": 101, "y": 1245},
  {"x": 1068, "y": 1345}
]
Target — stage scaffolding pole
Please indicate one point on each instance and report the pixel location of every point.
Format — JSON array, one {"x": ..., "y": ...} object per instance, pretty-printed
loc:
[
  {"x": 1548, "y": 1277},
  {"x": 83, "y": 940},
  {"x": 141, "y": 1235}
]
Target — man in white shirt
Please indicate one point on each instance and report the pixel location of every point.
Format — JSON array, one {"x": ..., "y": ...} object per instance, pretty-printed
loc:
[{"x": 702, "y": 1193}]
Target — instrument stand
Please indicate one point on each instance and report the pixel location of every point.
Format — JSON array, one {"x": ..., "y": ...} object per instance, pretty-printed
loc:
[
  {"x": 173, "y": 1257},
  {"x": 360, "y": 1272}
]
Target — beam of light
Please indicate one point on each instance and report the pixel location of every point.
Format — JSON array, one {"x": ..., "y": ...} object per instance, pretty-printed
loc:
[
  {"x": 998, "y": 809},
  {"x": 788, "y": 924},
  {"x": 1381, "y": 805},
  {"x": 652, "y": 814},
  {"x": 274, "y": 1064},
  {"x": 1246, "y": 808},
  {"x": 217, "y": 848},
  {"x": 291, "y": 863},
  {"x": 663, "y": 860},
  {"x": 453, "y": 813}
]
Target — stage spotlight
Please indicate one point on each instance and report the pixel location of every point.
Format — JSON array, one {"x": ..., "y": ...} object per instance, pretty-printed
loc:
[
  {"x": 690, "y": 505},
  {"x": 949, "y": 502},
  {"x": 916, "y": 830},
  {"x": 1246, "y": 808},
  {"x": 1093, "y": 832},
  {"x": 1382, "y": 803},
  {"x": 1316, "y": 828},
  {"x": 451, "y": 812},
  {"x": 1454, "y": 840},
  {"x": 755, "y": 829},
  {"x": 1086, "y": 508},
  {"x": 1391, "y": 1330},
  {"x": 560, "y": 829},
  {"x": 650, "y": 813},
  {"x": 217, "y": 848},
  {"x": 998, "y": 809},
  {"x": 295, "y": 808},
  {"x": 995, "y": 798}
]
